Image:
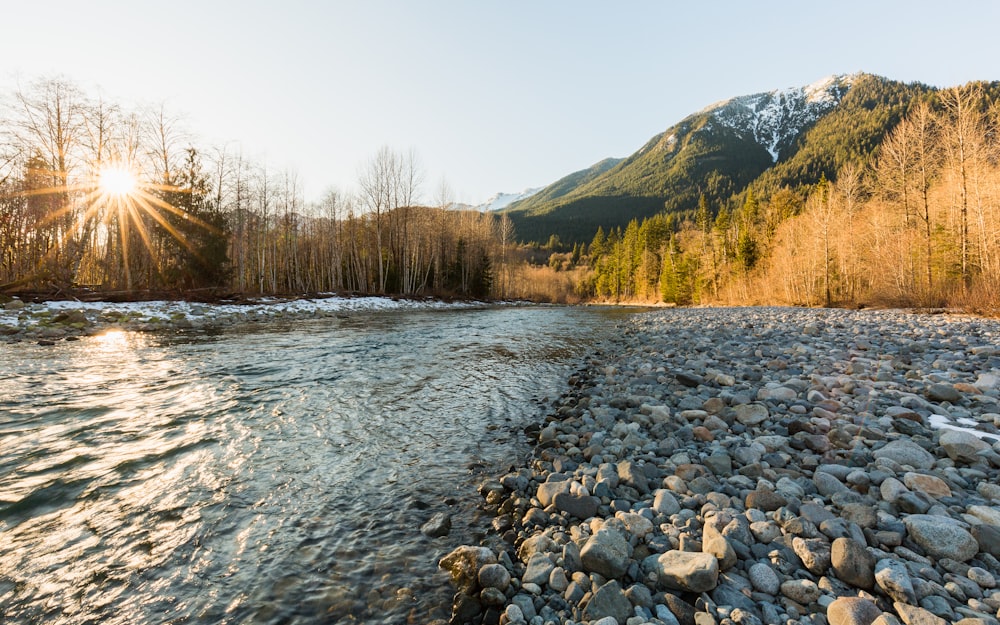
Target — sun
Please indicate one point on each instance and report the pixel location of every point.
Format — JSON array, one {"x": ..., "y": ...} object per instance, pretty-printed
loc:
[{"x": 116, "y": 181}]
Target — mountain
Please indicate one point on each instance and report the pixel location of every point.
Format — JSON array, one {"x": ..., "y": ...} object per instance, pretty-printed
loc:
[
  {"x": 772, "y": 139},
  {"x": 502, "y": 200}
]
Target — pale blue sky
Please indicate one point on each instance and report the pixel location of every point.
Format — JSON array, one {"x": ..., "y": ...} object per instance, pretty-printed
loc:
[{"x": 493, "y": 96}]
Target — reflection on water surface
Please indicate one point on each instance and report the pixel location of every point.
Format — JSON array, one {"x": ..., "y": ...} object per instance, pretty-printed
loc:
[{"x": 278, "y": 475}]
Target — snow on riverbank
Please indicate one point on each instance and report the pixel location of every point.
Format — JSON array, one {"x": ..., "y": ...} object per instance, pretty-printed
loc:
[{"x": 60, "y": 319}]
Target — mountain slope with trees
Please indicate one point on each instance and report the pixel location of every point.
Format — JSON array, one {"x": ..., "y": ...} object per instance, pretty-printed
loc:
[{"x": 767, "y": 140}]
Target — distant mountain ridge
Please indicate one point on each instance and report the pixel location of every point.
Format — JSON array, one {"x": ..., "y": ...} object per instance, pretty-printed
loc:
[
  {"x": 500, "y": 200},
  {"x": 782, "y": 137}
]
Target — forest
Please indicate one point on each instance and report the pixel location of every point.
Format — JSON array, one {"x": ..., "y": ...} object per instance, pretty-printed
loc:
[
  {"x": 916, "y": 224},
  {"x": 96, "y": 196}
]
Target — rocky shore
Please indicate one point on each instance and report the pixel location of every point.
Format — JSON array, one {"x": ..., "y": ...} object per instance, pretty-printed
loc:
[{"x": 756, "y": 466}]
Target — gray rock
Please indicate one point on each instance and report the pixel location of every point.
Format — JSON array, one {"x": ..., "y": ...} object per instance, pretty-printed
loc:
[
  {"x": 765, "y": 500},
  {"x": 547, "y": 491},
  {"x": 814, "y": 553},
  {"x": 988, "y": 538},
  {"x": 630, "y": 474},
  {"x": 906, "y": 452},
  {"x": 665, "y": 503},
  {"x": 682, "y": 570},
  {"x": 912, "y": 615},
  {"x": 538, "y": 570},
  {"x": 438, "y": 525},
  {"x": 764, "y": 579},
  {"x": 962, "y": 446},
  {"x": 852, "y": 611},
  {"x": 751, "y": 414},
  {"x": 853, "y": 563},
  {"x": 494, "y": 576},
  {"x": 943, "y": 392},
  {"x": 606, "y": 553},
  {"x": 579, "y": 506},
  {"x": 801, "y": 591},
  {"x": 827, "y": 484},
  {"x": 893, "y": 578},
  {"x": 608, "y": 600},
  {"x": 941, "y": 537}
]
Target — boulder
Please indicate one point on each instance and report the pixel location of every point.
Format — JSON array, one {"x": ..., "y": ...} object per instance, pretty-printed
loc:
[
  {"x": 606, "y": 553},
  {"x": 852, "y": 611},
  {"x": 853, "y": 563},
  {"x": 687, "y": 571},
  {"x": 941, "y": 537},
  {"x": 463, "y": 565},
  {"x": 906, "y": 452},
  {"x": 962, "y": 446}
]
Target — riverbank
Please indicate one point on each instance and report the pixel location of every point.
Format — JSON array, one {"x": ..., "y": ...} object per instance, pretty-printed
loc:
[
  {"x": 756, "y": 465},
  {"x": 56, "y": 320}
]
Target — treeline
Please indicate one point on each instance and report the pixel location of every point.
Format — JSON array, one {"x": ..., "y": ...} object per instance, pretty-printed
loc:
[
  {"x": 200, "y": 217},
  {"x": 919, "y": 224}
]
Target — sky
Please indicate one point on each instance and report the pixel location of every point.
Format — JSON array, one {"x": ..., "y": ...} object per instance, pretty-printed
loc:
[{"x": 490, "y": 96}]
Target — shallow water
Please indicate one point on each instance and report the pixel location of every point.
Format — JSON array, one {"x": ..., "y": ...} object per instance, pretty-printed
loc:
[{"x": 277, "y": 474}]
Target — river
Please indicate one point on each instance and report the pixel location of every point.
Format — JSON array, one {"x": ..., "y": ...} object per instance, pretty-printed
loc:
[{"x": 277, "y": 473}]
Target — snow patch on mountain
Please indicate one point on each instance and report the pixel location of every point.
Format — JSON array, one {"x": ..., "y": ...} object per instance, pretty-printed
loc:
[
  {"x": 775, "y": 118},
  {"x": 501, "y": 200}
]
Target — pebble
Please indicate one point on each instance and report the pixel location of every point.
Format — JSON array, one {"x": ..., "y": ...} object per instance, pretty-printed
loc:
[{"x": 724, "y": 466}]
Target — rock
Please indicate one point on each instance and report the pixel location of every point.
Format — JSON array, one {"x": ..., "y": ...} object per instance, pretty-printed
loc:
[
  {"x": 665, "y": 503},
  {"x": 962, "y": 446},
  {"x": 606, "y": 553},
  {"x": 912, "y": 615},
  {"x": 579, "y": 506},
  {"x": 463, "y": 565},
  {"x": 894, "y": 580},
  {"x": 494, "y": 576},
  {"x": 765, "y": 500},
  {"x": 630, "y": 474},
  {"x": 864, "y": 516},
  {"x": 538, "y": 570},
  {"x": 547, "y": 491},
  {"x": 988, "y": 538},
  {"x": 928, "y": 484},
  {"x": 689, "y": 379},
  {"x": 608, "y": 601},
  {"x": 801, "y": 591},
  {"x": 814, "y": 553},
  {"x": 714, "y": 543},
  {"x": 941, "y": 537},
  {"x": 438, "y": 525},
  {"x": 686, "y": 571},
  {"x": 987, "y": 514},
  {"x": 943, "y": 392},
  {"x": 764, "y": 579},
  {"x": 853, "y": 563},
  {"x": 751, "y": 414},
  {"x": 492, "y": 597},
  {"x": 852, "y": 611},
  {"x": 907, "y": 453},
  {"x": 828, "y": 485}
]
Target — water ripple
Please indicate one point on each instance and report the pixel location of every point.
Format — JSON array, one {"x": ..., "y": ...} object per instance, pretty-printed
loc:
[{"x": 278, "y": 475}]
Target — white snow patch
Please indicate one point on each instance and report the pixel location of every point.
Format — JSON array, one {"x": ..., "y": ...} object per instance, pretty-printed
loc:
[
  {"x": 775, "y": 117},
  {"x": 261, "y": 309},
  {"x": 941, "y": 422},
  {"x": 502, "y": 200}
]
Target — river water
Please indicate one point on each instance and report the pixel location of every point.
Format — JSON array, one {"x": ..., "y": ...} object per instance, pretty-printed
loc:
[{"x": 272, "y": 474}]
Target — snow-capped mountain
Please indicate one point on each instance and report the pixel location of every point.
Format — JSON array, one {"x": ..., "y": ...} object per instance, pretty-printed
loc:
[
  {"x": 775, "y": 118},
  {"x": 782, "y": 138},
  {"x": 502, "y": 200}
]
